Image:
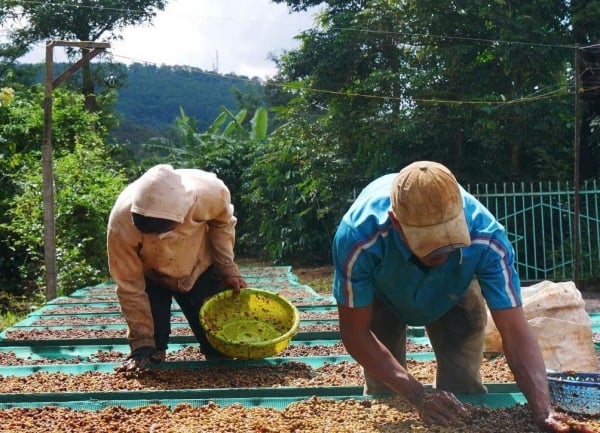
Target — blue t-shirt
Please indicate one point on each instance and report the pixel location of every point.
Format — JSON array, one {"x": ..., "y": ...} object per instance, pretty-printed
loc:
[{"x": 371, "y": 260}]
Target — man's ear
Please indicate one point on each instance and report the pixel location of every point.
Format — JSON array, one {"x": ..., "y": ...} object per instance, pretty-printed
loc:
[
  {"x": 397, "y": 226},
  {"x": 394, "y": 220}
]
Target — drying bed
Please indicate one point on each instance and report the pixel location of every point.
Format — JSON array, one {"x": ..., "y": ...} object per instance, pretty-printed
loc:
[{"x": 52, "y": 381}]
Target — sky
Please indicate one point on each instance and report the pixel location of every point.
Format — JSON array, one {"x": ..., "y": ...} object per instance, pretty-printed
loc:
[{"x": 229, "y": 36}]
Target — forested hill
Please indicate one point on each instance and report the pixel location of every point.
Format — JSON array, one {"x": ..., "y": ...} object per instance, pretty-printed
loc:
[{"x": 150, "y": 97}]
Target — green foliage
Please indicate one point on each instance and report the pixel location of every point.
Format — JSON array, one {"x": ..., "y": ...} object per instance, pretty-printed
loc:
[
  {"x": 8, "y": 319},
  {"x": 85, "y": 187},
  {"x": 21, "y": 123},
  {"x": 284, "y": 210},
  {"x": 21, "y": 130},
  {"x": 260, "y": 124},
  {"x": 292, "y": 195},
  {"x": 501, "y": 105},
  {"x": 469, "y": 86}
]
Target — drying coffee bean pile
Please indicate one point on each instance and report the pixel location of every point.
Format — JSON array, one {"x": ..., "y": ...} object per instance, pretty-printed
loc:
[
  {"x": 192, "y": 353},
  {"x": 319, "y": 315},
  {"x": 325, "y": 327},
  {"x": 82, "y": 309},
  {"x": 314, "y": 415},
  {"x": 111, "y": 297},
  {"x": 63, "y": 334},
  {"x": 310, "y": 301},
  {"x": 288, "y": 374},
  {"x": 10, "y": 358},
  {"x": 90, "y": 320}
]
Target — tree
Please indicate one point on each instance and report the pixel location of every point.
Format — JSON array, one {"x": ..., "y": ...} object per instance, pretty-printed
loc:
[
  {"x": 586, "y": 33},
  {"x": 350, "y": 79},
  {"x": 470, "y": 86},
  {"x": 87, "y": 20},
  {"x": 291, "y": 194},
  {"x": 493, "y": 89}
]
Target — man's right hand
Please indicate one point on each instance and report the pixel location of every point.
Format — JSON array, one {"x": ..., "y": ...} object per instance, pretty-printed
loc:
[
  {"x": 562, "y": 423},
  {"x": 442, "y": 408},
  {"x": 236, "y": 283},
  {"x": 140, "y": 359}
]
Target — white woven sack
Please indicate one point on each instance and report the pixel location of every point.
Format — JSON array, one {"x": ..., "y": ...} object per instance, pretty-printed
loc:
[{"x": 563, "y": 329}]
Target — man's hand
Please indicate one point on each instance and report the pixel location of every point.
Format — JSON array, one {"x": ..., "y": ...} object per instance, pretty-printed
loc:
[
  {"x": 140, "y": 359},
  {"x": 236, "y": 283},
  {"x": 563, "y": 423},
  {"x": 442, "y": 408}
]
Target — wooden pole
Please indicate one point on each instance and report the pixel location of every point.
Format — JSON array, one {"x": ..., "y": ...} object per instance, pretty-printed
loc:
[
  {"x": 47, "y": 170},
  {"x": 48, "y": 180}
]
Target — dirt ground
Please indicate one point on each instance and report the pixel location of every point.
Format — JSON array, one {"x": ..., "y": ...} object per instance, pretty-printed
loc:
[
  {"x": 592, "y": 301},
  {"x": 319, "y": 278}
]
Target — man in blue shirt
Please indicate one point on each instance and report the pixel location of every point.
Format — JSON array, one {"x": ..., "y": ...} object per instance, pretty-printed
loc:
[{"x": 416, "y": 249}]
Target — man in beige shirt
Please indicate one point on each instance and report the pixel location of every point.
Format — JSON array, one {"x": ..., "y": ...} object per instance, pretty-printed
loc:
[{"x": 171, "y": 234}]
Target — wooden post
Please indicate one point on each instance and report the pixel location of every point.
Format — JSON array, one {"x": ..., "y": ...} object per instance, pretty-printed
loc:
[
  {"x": 47, "y": 170},
  {"x": 48, "y": 180}
]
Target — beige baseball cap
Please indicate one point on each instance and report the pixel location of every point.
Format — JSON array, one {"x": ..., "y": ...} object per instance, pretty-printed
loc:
[{"x": 427, "y": 203}]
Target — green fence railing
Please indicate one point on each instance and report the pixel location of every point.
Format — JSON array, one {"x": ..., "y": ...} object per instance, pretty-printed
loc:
[{"x": 539, "y": 219}]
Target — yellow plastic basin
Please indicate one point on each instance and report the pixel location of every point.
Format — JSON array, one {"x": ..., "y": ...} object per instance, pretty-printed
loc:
[{"x": 253, "y": 325}]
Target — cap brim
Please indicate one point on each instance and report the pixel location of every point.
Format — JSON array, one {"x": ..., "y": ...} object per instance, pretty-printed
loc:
[
  {"x": 157, "y": 214},
  {"x": 423, "y": 240}
]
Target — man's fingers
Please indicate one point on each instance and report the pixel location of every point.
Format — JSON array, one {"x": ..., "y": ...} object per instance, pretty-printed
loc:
[
  {"x": 559, "y": 422},
  {"x": 133, "y": 365},
  {"x": 453, "y": 404},
  {"x": 581, "y": 428},
  {"x": 443, "y": 408}
]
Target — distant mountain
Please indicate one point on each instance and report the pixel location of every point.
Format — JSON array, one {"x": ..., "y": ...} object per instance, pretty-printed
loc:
[{"x": 150, "y": 97}]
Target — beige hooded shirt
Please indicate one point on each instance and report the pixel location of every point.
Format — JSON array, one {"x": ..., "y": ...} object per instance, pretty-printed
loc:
[{"x": 201, "y": 203}]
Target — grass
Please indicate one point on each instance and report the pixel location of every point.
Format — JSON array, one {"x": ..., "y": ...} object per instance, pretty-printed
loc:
[
  {"x": 9, "y": 318},
  {"x": 14, "y": 308}
]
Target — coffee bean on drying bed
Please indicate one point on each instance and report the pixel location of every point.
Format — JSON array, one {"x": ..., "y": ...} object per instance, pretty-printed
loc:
[
  {"x": 314, "y": 415},
  {"x": 288, "y": 374}
]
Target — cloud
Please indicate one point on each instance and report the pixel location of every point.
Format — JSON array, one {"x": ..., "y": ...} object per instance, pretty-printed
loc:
[
  {"x": 226, "y": 35},
  {"x": 230, "y": 36}
]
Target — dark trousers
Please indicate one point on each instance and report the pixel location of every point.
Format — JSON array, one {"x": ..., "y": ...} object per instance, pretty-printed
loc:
[
  {"x": 161, "y": 298},
  {"x": 457, "y": 339}
]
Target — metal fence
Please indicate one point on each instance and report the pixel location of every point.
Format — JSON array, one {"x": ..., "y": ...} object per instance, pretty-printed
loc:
[{"x": 540, "y": 221}]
